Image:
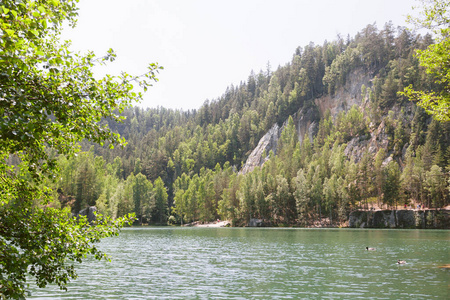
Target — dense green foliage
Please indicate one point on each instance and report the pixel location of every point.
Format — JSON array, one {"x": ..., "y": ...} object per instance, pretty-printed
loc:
[
  {"x": 198, "y": 154},
  {"x": 184, "y": 166},
  {"x": 435, "y": 17},
  {"x": 49, "y": 102}
]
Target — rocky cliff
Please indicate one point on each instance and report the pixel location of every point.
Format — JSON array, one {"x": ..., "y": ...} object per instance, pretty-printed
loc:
[
  {"x": 347, "y": 96},
  {"x": 306, "y": 123},
  {"x": 307, "y": 120},
  {"x": 435, "y": 219},
  {"x": 266, "y": 144}
]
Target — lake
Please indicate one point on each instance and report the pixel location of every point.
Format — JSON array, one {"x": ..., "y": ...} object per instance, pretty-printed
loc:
[{"x": 264, "y": 263}]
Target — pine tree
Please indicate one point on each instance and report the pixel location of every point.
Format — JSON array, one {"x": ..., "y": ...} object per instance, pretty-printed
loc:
[
  {"x": 391, "y": 184},
  {"x": 160, "y": 195}
]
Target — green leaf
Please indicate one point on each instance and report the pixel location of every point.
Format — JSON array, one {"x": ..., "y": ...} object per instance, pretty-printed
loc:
[
  {"x": 35, "y": 32},
  {"x": 10, "y": 32},
  {"x": 44, "y": 23}
]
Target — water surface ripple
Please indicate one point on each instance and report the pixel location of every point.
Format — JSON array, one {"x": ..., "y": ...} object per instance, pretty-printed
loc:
[{"x": 268, "y": 263}]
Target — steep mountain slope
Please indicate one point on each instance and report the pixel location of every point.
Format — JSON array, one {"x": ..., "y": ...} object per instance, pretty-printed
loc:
[
  {"x": 306, "y": 122},
  {"x": 329, "y": 129}
]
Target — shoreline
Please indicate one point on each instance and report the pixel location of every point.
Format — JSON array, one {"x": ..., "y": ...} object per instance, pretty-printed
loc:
[
  {"x": 215, "y": 224},
  {"x": 427, "y": 218}
]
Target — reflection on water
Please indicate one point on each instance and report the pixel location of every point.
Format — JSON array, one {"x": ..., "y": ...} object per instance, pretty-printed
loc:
[{"x": 268, "y": 263}]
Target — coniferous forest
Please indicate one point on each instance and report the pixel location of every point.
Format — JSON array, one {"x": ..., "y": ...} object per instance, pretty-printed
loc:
[
  {"x": 354, "y": 124},
  {"x": 184, "y": 166}
]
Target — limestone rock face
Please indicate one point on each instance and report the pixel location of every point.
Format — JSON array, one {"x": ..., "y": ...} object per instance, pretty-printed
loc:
[
  {"x": 344, "y": 98},
  {"x": 400, "y": 219},
  {"x": 306, "y": 126},
  {"x": 89, "y": 213},
  {"x": 256, "y": 223},
  {"x": 266, "y": 144},
  {"x": 307, "y": 119}
]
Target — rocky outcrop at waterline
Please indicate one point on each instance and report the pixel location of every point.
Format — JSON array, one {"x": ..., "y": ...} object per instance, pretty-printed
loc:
[
  {"x": 89, "y": 213},
  {"x": 256, "y": 223},
  {"x": 420, "y": 219}
]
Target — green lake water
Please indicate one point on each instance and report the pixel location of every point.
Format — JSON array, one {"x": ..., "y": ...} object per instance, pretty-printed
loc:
[{"x": 266, "y": 263}]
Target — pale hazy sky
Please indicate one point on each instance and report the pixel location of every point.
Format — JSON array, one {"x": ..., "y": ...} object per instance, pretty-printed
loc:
[{"x": 207, "y": 45}]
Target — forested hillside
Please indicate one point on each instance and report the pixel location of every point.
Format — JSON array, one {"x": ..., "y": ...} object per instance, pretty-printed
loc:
[{"x": 183, "y": 166}]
